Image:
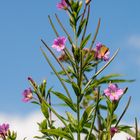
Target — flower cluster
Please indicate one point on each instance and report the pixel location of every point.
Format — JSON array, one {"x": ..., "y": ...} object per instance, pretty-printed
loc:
[{"x": 4, "y": 130}]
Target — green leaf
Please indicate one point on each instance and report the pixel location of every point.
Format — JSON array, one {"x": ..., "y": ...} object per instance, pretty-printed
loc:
[
  {"x": 100, "y": 70},
  {"x": 125, "y": 109},
  {"x": 58, "y": 116},
  {"x": 76, "y": 88},
  {"x": 71, "y": 119},
  {"x": 65, "y": 99},
  {"x": 129, "y": 131},
  {"x": 35, "y": 102},
  {"x": 81, "y": 26},
  {"x": 86, "y": 115},
  {"x": 84, "y": 42},
  {"x": 44, "y": 109},
  {"x": 136, "y": 129},
  {"x": 57, "y": 132},
  {"x": 56, "y": 73}
]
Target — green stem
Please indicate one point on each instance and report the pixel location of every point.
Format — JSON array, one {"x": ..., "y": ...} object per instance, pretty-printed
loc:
[
  {"x": 110, "y": 116},
  {"x": 94, "y": 117},
  {"x": 78, "y": 118},
  {"x": 98, "y": 111},
  {"x": 79, "y": 82}
]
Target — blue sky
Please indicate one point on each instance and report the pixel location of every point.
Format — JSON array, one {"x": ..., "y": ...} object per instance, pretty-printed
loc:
[{"x": 24, "y": 23}]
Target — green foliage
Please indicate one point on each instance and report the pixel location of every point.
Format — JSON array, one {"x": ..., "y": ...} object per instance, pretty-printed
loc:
[{"x": 92, "y": 113}]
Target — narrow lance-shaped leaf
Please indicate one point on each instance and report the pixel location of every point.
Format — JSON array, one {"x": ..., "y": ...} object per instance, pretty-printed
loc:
[
  {"x": 76, "y": 88},
  {"x": 65, "y": 99},
  {"x": 127, "y": 105},
  {"x": 87, "y": 19},
  {"x": 94, "y": 117},
  {"x": 87, "y": 113},
  {"x": 58, "y": 132},
  {"x": 57, "y": 60},
  {"x": 56, "y": 74},
  {"x": 84, "y": 42},
  {"x": 63, "y": 28},
  {"x": 69, "y": 38},
  {"x": 96, "y": 33},
  {"x": 53, "y": 27},
  {"x": 99, "y": 71},
  {"x": 81, "y": 26},
  {"x": 44, "y": 109},
  {"x": 136, "y": 129},
  {"x": 94, "y": 38},
  {"x": 71, "y": 119},
  {"x": 59, "y": 117}
]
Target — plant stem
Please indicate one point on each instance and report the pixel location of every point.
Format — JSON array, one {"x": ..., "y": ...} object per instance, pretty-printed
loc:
[
  {"x": 78, "y": 118},
  {"x": 98, "y": 111}
]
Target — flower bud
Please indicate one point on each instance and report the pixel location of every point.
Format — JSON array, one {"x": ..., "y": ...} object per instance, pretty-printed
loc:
[
  {"x": 80, "y": 3},
  {"x": 113, "y": 130},
  {"x": 87, "y": 2},
  {"x": 32, "y": 82}
]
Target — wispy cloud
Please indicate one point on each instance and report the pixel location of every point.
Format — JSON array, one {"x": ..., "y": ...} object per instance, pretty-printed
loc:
[
  {"x": 134, "y": 40},
  {"x": 27, "y": 126}
]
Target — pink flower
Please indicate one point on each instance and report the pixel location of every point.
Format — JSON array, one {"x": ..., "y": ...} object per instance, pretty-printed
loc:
[
  {"x": 130, "y": 138},
  {"x": 28, "y": 95},
  {"x": 4, "y": 129},
  {"x": 101, "y": 52},
  {"x": 59, "y": 43},
  {"x": 113, "y": 130},
  {"x": 113, "y": 92},
  {"x": 62, "y": 5}
]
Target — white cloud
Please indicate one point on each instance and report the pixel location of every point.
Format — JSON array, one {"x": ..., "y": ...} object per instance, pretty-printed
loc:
[
  {"x": 134, "y": 40},
  {"x": 27, "y": 126},
  {"x": 120, "y": 136},
  {"x": 24, "y": 126}
]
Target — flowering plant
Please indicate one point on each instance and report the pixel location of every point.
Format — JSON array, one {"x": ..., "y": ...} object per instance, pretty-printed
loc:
[{"x": 81, "y": 63}]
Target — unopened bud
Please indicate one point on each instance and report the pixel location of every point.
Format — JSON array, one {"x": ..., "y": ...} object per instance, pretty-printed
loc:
[
  {"x": 44, "y": 81},
  {"x": 87, "y": 2},
  {"x": 80, "y": 3},
  {"x": 32, "y": 82}
]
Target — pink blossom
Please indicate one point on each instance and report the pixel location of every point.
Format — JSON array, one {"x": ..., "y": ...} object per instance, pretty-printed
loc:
[
  {"x": 113, "y": 130},
  {"x": 59, "y": 43},
  {"x": 28, "y": 95},
  {"x": 4, "y": 129},
  {"x": 62, "y": 5},
  {"x": 130, "y": 138},
  {"x": 113, "y": 92},
  {"x": 101, "y": 52}
]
